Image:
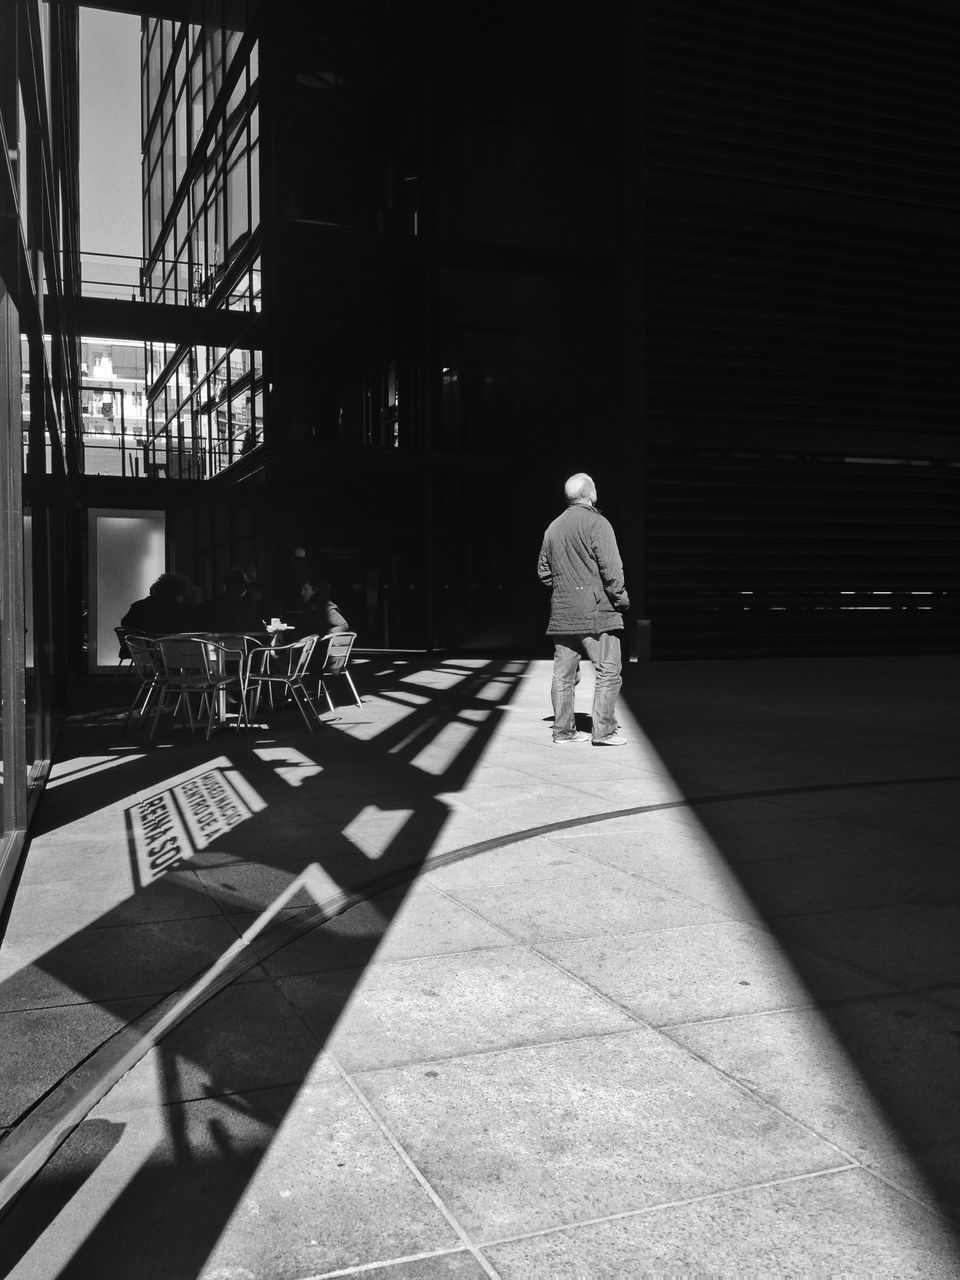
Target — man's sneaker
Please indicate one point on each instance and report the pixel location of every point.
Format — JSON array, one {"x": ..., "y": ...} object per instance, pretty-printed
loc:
[
  {"x": 611, "y": 740},
  {"x": 576, "y": 737}
]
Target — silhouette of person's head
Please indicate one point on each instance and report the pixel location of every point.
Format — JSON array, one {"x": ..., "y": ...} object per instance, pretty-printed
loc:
[{"x": 170, "y": 586}]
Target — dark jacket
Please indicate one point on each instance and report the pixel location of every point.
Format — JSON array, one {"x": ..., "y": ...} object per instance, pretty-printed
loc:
[
  {"x": 580, "y": 563},
  {"x": 156, "y": 616},
  {"x": 319, "y": 616}
]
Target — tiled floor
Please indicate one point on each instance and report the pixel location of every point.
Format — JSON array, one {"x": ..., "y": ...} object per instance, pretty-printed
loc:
[{"x": 687, "y": 1007}]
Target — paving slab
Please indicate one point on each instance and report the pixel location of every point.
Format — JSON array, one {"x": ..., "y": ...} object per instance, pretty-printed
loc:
[
  {"x": 814, "y": 1065},
  {"x": 278, "y": 1183},
  {"x": 463, "y": 1266},
  {"x": 747, "y": 1067},
  {"x": 906, "y": 944},
  {"x": 38, "y": 1047},
  {"x": 791, "y": 836},
  {"x": 537, "y": 858},
  {"x": 526, "y": 1139},
  {"x": 701, "y": 971},
  {"x": 417, "y": 921},
  {"x": 102, "y": 900},
  {"x": 678, "y": 858},
  {"x": 440, "y": 1006},
  {"x": 845, "y": 1223},
  {"x": 245, "y": 1037},
  {"x": 583, "y": 906},
  {"x": 933, "y": 1178},
  {"x": 107, "y": 964}
]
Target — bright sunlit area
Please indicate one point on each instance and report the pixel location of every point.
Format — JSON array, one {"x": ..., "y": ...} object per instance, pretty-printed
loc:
[
  {"x": 436, "y": 930},
  {"x": 111, "y": 200}
]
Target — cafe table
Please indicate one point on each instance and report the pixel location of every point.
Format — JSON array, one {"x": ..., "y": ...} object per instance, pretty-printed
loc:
[{"x": 218, "y": 641}]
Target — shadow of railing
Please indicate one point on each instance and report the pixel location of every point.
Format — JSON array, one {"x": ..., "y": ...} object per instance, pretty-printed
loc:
[{"x": 274, "y": 806}]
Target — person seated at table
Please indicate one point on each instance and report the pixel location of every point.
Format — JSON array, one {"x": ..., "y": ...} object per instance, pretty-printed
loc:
[
  {"x": 289, "y": 578},
  {"x": 196, "y": 603},
  {"x": 319, "y": 615},
  {"x": 260, "y": 598},
  {"x": 231, "y": 610},
  {"x": 161, "y": 612}
]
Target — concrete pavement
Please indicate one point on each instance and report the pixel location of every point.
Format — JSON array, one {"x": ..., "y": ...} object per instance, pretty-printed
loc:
[{"x": 686, "y": 1007}]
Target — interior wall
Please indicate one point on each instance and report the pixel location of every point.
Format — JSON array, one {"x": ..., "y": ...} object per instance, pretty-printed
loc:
[{"x": 127, "y": 554}]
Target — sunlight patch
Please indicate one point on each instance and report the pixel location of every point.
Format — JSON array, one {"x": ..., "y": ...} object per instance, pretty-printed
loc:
[
  {"x": 440, "y": 754},
  {"x": 291, "y": 765},
  {"x": 374, "y": 829},
  {"x": 85, "y": 767},
  {"x": 171, "y": 826}
]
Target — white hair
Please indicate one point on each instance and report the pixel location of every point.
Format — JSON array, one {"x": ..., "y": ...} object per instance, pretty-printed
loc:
[{"x": 580, "y": 488}]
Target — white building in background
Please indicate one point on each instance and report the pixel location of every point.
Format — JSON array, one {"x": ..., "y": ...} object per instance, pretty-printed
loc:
[
  {"x": 112, "y": 376},
  {"x": 113, "y": 404}
]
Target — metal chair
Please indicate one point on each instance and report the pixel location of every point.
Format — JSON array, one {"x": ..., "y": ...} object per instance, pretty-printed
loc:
[
  {"x": 201, "y": 667},
  {"x": 123, "y": 635},
  {"x": 145, "y": 662},
  {"x": 283, "y": 667},
  {"x": 335, "y": 660}
]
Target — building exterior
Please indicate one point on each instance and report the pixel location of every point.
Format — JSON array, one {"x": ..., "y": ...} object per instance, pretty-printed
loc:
[
  {"x": 39, "y": 469},
  {"x": 483, "y": 245},
  {"x": 409, "y": 266},
  {"x": 112, "y": 404}
]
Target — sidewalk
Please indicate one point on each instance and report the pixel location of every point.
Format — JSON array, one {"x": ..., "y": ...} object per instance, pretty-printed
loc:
[{"x": 686, "y": 1007}]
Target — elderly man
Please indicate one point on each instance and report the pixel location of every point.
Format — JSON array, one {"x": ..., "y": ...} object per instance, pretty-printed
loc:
[{"x": 580, "y": 563}]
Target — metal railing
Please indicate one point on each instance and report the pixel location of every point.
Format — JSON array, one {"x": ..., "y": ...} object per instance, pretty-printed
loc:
[{"x": 111, "y": 275}]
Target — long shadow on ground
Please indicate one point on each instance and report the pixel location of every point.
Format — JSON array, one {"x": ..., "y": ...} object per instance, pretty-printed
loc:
[
  {"x": 830, "y": 791},
  {"x": 171, "y": 1211}
]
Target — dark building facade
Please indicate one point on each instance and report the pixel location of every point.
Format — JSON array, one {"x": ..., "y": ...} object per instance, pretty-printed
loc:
[
  {"x": 707, "y": 252},
  {"x": 39, "y": 466},
  {"x": 409, "y": 265}
]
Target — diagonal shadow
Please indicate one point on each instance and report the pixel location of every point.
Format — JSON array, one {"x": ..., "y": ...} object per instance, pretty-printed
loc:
[
  {"x": 175, "y": 926},
  {"x": 829, "y": 792}
]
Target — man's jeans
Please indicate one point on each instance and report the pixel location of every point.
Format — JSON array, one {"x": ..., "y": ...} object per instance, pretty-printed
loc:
[{"x": 604, "y": 652}]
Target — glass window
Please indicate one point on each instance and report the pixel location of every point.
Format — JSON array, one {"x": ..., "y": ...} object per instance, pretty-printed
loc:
[
  {"x": 144, "y": 82},
  {"x": 255, "y": 186},
  {"x": 183, "y": 283},
  {"x": 238, "y": 221},
  {"x": 153, "y": 149},
  {"x": 167, "y": 161},
  {"x": 180, "y": 76},
  {"x": 241, "y": 424},
  {"x": 196, "y": 96},
  {"x": 166, "y": 113},
  {"x": 183, "y": 213},
  {"x": 180, "y": 137},
  {"x": 214, "y": 68},
  {"x": 156, "y": 211},
  {"x": 237, "y": 95},
  {"x": 216, "y": 223},
  {"x": 234, "y": 36},
  {"x": 154, "y": 69}
]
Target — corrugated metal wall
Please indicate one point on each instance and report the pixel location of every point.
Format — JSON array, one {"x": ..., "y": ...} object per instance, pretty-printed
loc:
[
  {"x": 802, "y": 316},
  {"x": 764, "y": 554}
]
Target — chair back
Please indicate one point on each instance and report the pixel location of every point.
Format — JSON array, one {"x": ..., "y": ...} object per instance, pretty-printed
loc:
[
  {"x": 301, "y": 651},
  {"x": 281, "y": 662},
  {"x": 144, "y": 655},
  {"x": 225, "y": 656},
  {"x": 123, "y": 634},
  {"x": 185, "y": 663},
  {"x": 337, "y": 655}
]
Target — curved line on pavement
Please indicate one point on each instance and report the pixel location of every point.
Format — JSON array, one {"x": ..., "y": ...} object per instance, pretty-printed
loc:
[{"x": 33, "y": 1140}]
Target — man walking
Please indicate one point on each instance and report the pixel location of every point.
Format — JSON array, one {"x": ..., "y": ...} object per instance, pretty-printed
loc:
[{"x": 580, "y": 563}]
